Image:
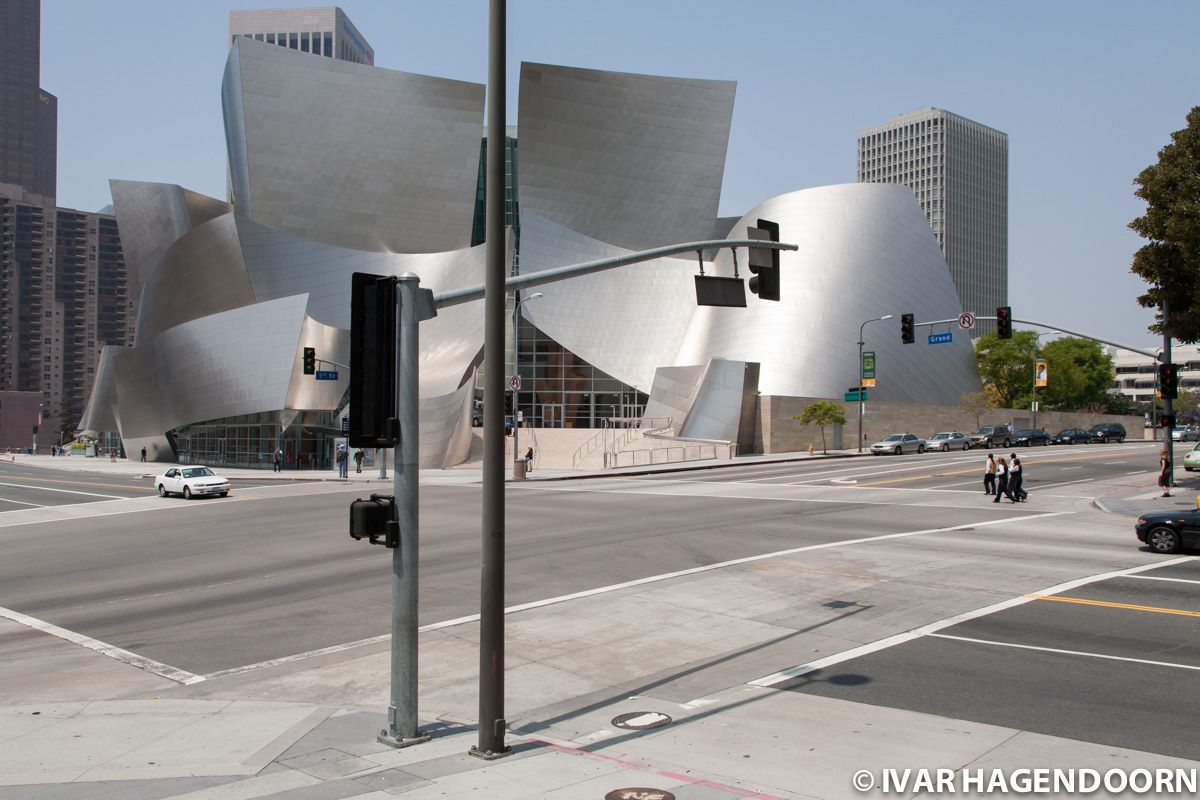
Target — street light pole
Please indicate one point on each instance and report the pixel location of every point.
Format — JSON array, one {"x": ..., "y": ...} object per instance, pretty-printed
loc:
[
  {"x": 861, "y": 328},
  {"x": 1034, "y": 406},
  {"x": 517, "y": 300}
]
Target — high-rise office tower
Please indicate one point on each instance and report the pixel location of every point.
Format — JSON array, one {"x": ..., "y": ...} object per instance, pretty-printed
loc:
[
  {"x": 321, "y": 31},
  {"x": 28, "y": 115},
  {"x": 958, "y": 171},
  {"x": 63, "y": 293}
]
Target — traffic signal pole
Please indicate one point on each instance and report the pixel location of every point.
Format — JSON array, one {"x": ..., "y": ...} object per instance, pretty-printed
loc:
[{"x": 1168, "y": 403}]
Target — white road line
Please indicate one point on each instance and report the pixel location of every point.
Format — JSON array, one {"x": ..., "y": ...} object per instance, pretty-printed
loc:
[
  {"x": 1138, "y": 472},
  {"x": 64, "y": 491},
  {"x": 103, "y": 648},
  {"x": 21, "y": 502},
  {"x": 1041, "y": 486},
  {"x": 450, "y": 623},
  {"x": 1163, "y": 578},
  {"x": 933, "y": 627},
  {"x": 1068, "y": 469},
  {"x": 1065, "y": 652}
]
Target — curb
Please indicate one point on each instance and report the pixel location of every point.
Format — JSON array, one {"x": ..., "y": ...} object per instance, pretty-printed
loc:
[{"x": 696, "y": 468}]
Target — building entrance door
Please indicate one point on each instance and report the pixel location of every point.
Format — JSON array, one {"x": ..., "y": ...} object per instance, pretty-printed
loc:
[{"x": 552, "y": 415}]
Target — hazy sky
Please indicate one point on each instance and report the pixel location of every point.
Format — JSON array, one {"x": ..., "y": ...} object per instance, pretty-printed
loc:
[{"x": 1086, "y": 91}]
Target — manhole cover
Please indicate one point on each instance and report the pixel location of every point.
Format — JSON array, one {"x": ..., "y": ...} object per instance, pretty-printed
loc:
[
  {"x": 641, "y": 721},
  {"x": 639, "y": 793}
]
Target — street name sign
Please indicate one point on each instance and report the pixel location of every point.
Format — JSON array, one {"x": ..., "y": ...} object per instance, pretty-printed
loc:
[
  {"x": 941, "y": 338},
  {"x": 327, "y": 375},
  {"x": 852, "y": 396}
]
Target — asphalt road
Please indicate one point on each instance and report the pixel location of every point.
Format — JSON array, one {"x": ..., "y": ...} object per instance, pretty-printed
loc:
[
  {"x": 33, "y": 487},
  {"x": 220, "y": 584}
]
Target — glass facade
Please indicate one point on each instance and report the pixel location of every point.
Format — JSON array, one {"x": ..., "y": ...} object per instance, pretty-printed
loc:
[
  {"x": 250, "y": 441},
  {"x": 561, "y": 390}
]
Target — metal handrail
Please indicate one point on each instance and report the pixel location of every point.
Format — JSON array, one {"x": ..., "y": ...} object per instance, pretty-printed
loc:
[{"x": 601, "y": 437}]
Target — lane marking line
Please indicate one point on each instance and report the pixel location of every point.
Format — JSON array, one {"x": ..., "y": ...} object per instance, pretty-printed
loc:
[
  {"x": 21, "y": 503},
  {"x": 1105, "y": 604},
  {"x": 933, "y": 627},
  {"x": 65, "y": 491},
  {"x": 1040, "y": 486},
  {"x": 75, "y": 483},
  {"x": 103, "y": 648},
  {"x": 1162, "y": 578},
  {"x": 450, "y": 623},
  {"x": 1138, "y": 472},
  {"x": 1065, "y": 652}
]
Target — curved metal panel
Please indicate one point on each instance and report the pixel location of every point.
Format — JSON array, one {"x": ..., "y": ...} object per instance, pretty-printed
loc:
[
  {"x": 305, "y": 392},
  {"x": 445, "y": 436},
  {"x": 865, "y": 251},
  {"x": 628, "y": 321},
  {"x": 224, "y": 365},
  {"x": 632, "y": 160},
  {"x": 100, "y": 416},
  {"x": 280, "y": 264},
  {"x": 200, "y": 274},
  {"x": 350, "y": 154},
  {"x": 152, "y": 217}
]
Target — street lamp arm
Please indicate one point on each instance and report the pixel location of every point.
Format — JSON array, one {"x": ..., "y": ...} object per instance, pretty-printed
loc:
[{"x": 466, "y": 295}]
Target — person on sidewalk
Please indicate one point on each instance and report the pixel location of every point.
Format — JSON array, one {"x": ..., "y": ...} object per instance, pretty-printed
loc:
[
  {"x": 1164, "y": 472},
  {"x": 277, "y": 460},
  {"x": 143, "y": 455},
  {"x": 989, "y": 475},
  {"x": 528, "y": 460},
  {"x": 341, "y": 462},
  {"x": 1016, "y": 479},
  {"x": 1001, "y": 480},
  {"x": 358, "y": 459}
]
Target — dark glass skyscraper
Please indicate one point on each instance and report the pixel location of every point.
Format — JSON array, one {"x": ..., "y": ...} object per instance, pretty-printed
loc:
[{"x": 28, "y": 115}]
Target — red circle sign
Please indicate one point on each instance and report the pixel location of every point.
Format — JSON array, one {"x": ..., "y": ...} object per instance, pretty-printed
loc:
[{"x": 966, "y": 320}]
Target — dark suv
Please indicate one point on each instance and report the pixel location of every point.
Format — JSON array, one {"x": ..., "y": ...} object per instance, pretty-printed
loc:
[
  {"x": 991, "y": 435},
  {"x": 1107, "y": 432}
]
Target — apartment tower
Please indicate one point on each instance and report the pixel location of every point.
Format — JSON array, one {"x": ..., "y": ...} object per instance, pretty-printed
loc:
[
  {"x": 321, "y": 31},
  {"x": 958, "y": 171}
]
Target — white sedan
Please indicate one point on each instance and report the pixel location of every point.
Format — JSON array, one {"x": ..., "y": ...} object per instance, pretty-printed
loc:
[{"x": 191, "y": 481}]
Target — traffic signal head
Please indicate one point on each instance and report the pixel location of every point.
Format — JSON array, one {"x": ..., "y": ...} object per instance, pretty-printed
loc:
[
  {"x": 372, "y": 360},
  {"x": 1168, "y": 420},
  {"x": 908, "y": 332},
  {"x": 764, "y": 263},
  {"x": 1004, "y": 322},
  {"x": 1168, "y": 381},
  {"x": 310, "y": 360},
  {"x": 375, "y": 520}
]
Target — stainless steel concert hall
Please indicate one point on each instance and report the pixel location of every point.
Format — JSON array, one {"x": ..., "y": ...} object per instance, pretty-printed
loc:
[{"x": 339, "y": 167}]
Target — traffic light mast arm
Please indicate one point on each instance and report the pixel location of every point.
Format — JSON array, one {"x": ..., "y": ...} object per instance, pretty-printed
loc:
[
  {"x": 529, "y": 280},
  {"x": 1060, "y": 329},
  {"x": 334, "y": 363}
]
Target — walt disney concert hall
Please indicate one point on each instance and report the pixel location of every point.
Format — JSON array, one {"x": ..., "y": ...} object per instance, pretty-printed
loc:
[{"x": 338, "y": 167}]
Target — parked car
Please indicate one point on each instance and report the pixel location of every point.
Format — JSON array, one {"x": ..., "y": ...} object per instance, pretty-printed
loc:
[
  {"x": 1108, "y": 432},
  {"x": 1029, "y": 437},
  {"x": 1072, "y": 436},
  {"x": 1191, "y": 459},
  {"x": 991, "y": 435},
  {"x": 1189, "y": 433},
  {"x": 1169, "y": 531},
  {"x": 899, "y": 443},
  {"x": 951, "y": 440},
  {"x": 191, "y": 481}
]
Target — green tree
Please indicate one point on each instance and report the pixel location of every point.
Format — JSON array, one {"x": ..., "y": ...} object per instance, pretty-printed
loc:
[
  {"x": 1079, "y": 372},
  {"x": 1006, "y": 367},
  {"x": 822, "y": 413},
  {"x": 66, "y": 421},
  {"x": 1170, "y": 261},
  {"x": 976, "y": 403}
]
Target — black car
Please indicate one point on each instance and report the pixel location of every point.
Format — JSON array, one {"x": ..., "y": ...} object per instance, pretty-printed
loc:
[
  {"x": 1029, "y": 437},
  {"x": 1169, "y": 531},
  {"x": 1108, "y": 432},
  {"x": 1072, "y": 436}
]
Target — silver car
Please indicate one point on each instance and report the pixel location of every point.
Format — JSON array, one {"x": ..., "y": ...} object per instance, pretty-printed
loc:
[
  {"x": 950, "y": 440},
  {"x": 1189, "y": 433},
  {"x": 899, "y": 443}
]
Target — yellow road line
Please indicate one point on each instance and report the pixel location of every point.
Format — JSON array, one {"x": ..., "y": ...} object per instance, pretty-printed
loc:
[
  {"x": 35, "y": 481},
  {"x": 1128, "y": 606}
]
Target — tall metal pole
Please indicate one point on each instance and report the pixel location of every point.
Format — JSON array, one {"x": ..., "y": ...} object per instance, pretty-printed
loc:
[
  {"x": 1033, "y": 406},
  {"x": 491, "y": 590},
  {"x": 860, "y": 386},
  {"x": 402, "y": 707},
  {"x": 1168, "y": 405},
  {"x": 516, "y": 371}
]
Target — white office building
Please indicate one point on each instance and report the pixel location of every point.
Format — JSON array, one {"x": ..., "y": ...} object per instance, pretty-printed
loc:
[
  {"x": 1137, "y": 375},
  {"x": 958, "y": 171},
  {"x": 320, "y": 31}
]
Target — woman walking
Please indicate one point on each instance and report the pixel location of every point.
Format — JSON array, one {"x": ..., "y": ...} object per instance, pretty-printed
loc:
[
  {"x": 1164, "y": 472},
  {"x": 989, "y": 475},
  {"x": 1001, "y": 480},
  {"x": 1016, "y": 480}
]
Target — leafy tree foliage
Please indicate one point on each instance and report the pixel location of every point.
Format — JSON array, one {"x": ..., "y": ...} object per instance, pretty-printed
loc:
[
  {"x": 1079, "y": 371},
  {"x": 1006, "y": 367},
  {"x": 66, "y": 421},
  {"x": 1170, "y": 261},
  {"x": 822, "y": 413}
]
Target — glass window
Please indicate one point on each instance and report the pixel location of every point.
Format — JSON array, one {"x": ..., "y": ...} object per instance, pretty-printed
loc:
[
  {"x": 293, "y": 41},
  {"x": 270, "y": 38},
  {"x": 329, "y": 44},
  {"x": 304, "y": 41}
]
